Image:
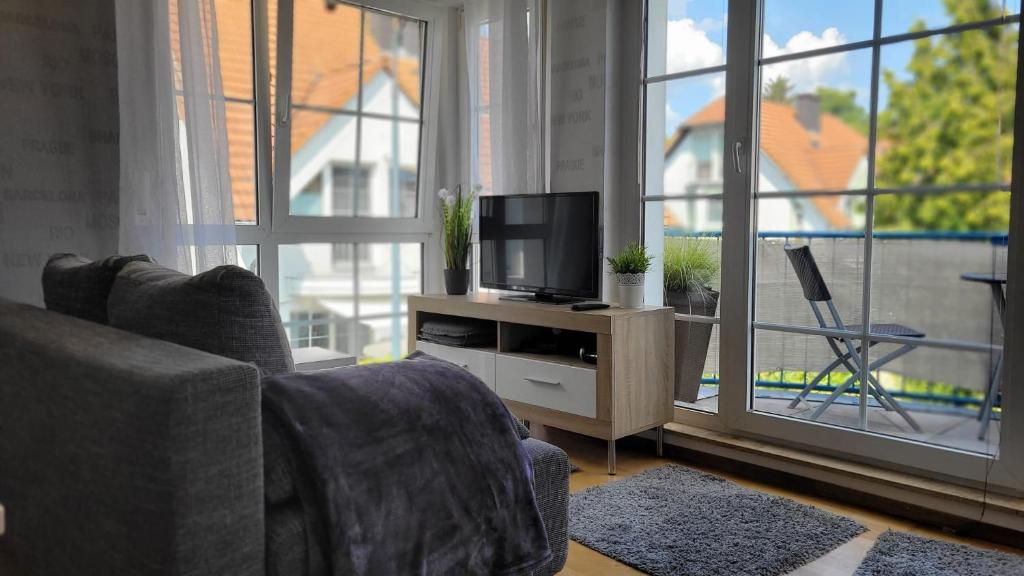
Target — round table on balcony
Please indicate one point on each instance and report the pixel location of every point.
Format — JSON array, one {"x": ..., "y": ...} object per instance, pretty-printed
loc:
[{"x": 995, "y": 280}]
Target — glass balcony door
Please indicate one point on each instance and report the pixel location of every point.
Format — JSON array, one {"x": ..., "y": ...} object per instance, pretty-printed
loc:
[
  {"x": 861, "y": 214},
  {"x": 880, "y": 222}
]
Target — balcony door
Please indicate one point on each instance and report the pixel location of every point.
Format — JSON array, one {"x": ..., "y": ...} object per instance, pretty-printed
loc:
[{"x": 856, "y": 189}]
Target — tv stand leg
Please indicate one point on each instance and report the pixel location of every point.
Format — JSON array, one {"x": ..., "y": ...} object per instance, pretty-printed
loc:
[
  {"x": 660, "y": 442},
  {"x": 611, "y": 457}
]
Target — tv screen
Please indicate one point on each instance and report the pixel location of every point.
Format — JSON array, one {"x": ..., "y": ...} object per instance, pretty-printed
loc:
[{"x": 541, "y": 243}]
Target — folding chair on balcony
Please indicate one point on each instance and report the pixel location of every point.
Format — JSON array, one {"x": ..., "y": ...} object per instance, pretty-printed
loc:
[{"x": 847, "y": 353}]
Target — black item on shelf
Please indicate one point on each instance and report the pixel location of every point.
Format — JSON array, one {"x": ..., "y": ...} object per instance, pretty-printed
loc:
[{"x": 459, "y": 332}]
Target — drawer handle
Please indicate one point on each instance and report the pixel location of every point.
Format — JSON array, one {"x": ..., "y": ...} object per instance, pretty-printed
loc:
[{"x": 541, "y": 381}]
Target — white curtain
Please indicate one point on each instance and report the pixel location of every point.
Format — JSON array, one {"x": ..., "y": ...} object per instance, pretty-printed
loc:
[
  {"x": 505, "y": 86},
  {"x": 175, "y": 191}
]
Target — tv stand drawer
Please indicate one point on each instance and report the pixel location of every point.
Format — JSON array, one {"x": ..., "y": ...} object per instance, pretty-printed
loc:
[
  {"x": 479, "y": 363},
  {"x": 547, "y": 384}
]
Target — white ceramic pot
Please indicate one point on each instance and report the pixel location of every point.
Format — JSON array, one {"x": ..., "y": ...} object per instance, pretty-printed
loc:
[{"x": 631, "y": 290}]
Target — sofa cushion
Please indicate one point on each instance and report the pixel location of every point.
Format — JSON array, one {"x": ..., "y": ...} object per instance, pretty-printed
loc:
[
  {"x": 225, "y": 311},
  {"x": 79, "y": 287}
]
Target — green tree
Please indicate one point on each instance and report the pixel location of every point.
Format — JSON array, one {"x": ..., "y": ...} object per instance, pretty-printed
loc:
[
  {"x": 777, "y": 90},
  {"x": 949, "y": 121},
  {"x": 843, "y": 105}
]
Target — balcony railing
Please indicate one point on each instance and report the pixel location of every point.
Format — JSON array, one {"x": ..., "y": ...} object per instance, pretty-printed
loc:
[{"x": 915, "y": 281}]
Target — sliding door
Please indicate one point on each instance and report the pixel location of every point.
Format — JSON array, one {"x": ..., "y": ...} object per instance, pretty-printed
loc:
[{"x": 865, "y": 229}]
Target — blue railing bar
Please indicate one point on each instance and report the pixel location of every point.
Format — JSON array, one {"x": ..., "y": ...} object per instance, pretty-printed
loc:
[
  {"x": 998, "y": 238},
  {"x": 854, "y": 390}
]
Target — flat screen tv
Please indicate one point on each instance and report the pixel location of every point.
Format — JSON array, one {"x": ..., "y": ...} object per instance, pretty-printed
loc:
[{"x": 545, "y": 244}]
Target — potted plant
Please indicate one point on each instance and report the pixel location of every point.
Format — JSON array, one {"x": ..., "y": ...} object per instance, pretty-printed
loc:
[
  {"x": 629, "y": 266},
  {"x": 691, "y": 265},
  {"x": 457, "y": 231}
]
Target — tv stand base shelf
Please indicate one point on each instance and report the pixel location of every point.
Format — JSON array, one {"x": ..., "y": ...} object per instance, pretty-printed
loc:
[{"x": 628, "y": 390}]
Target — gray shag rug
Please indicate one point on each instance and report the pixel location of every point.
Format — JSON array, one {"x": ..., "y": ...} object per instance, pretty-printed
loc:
[
  {"x": 901, "y": 554},
  {"x": 675, "y": 520}
]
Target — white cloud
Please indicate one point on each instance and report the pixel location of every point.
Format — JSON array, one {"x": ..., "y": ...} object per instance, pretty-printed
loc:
[
  {"x": 717, "y": 83},
  {"x": 672, "y": 119},
  {"x": 689, "y": 48},
  {"x": 713, "y": 24},
  {"x": 805, "y": 74}
]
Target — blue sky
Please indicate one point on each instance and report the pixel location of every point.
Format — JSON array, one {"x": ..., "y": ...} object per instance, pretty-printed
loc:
[{"x": 696, "y": 37}]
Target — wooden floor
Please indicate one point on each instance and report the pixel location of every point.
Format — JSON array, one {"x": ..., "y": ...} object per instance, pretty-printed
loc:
[{"x": 589, "y": 454}]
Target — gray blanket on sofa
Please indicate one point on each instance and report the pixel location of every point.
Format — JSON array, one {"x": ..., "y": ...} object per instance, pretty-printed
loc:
[{"x": 414, "y": 467}]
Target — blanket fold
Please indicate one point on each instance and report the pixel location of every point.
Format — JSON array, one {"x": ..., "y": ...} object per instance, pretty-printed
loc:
[{"x": 412, "y": 467}]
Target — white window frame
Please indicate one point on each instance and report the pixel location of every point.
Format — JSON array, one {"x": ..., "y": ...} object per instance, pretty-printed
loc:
[
  {"x": 275, "y": 226},
  {"x": 1004, "y": 472}
]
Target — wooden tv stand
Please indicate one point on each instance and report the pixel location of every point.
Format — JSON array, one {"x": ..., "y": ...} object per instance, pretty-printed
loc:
[{"x": 627, "y": 391}]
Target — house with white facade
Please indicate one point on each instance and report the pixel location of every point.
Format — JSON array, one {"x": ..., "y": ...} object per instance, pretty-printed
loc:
[
  {"x": 354, "y": 153},
  {"x": 801, "y": 150}
]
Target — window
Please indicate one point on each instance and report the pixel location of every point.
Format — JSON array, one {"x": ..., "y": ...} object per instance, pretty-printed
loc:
[
  {"x": 407, "y": 185},
  {"x": 365, "y": 295},
  {"x": 349, "y": 190},
  {"x": 232, "y": 26},
  {"x": 355, "y": 104},
  {"x": 858, "y": 166},
  {"x": 309, "y": 329},
  {"x": 878, "y": 138},
  {"x": 683, "y": 193},
  {"x": 339, "y": 112},
  {"x": 703, "y": 170},
  {"x": 342, "y": 253}
]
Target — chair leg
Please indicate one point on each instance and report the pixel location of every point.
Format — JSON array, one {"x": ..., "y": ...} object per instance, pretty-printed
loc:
[
  {"x": 990, "y": 399},
  {"x": 896, "y": 405},
  {"x": 900, "y": 409},
  {"x": 879, "y": 397},
  {"x": 994, "y": 377},
  {"x": 807, "y": 389},
  {"x": 835, "y": 394}
]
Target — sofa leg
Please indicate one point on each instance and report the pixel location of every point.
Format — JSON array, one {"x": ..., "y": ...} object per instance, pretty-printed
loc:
[
  {"x": 660, "y": 441},
  {"x": 611, "y": 457}
]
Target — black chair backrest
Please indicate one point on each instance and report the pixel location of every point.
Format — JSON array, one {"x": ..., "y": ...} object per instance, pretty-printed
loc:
[{"x": 807, "y": 272}]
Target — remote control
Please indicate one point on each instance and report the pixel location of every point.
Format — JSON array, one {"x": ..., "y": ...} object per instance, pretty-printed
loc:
[{"x": 589, "y": 306}]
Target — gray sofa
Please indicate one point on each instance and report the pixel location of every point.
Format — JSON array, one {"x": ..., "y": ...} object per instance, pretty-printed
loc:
[{"x": 124, "y": 454}]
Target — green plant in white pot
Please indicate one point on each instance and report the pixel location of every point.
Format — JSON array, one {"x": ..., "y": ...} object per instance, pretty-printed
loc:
[
  {"x": 691, "y": 266},
  {"x": 457, "y": 234},
  {"x": 629, "y": 267}
]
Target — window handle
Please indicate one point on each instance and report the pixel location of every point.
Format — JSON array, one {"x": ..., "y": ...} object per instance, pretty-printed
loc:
[
  {"x": 287, "y": 109},
  {"x": 737, "y": 156}
]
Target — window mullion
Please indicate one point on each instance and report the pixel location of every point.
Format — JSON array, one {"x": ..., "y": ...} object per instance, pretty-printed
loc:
[
  {"x": 359, "y": 118},
  {"x": 282, "y": 117},
  {"x": 869, "y": 223}
]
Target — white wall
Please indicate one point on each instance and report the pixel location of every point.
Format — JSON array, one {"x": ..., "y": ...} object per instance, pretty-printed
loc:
[{"x": 58, "y": 144}]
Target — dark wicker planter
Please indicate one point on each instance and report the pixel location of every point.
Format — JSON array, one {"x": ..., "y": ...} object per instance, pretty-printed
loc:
[
  {"x": 456, "y": 282},
  {"x": 692, "y": 339}
]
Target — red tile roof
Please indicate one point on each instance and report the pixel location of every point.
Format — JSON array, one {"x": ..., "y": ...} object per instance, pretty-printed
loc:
[
  {"x": 325, "y": 71},
  {"x": 822, "y": 161}
]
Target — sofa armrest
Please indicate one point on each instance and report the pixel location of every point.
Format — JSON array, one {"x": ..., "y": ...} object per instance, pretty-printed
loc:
[
  {"x": 126, "y": 455},
  {"x": 551, "y": 487}
]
